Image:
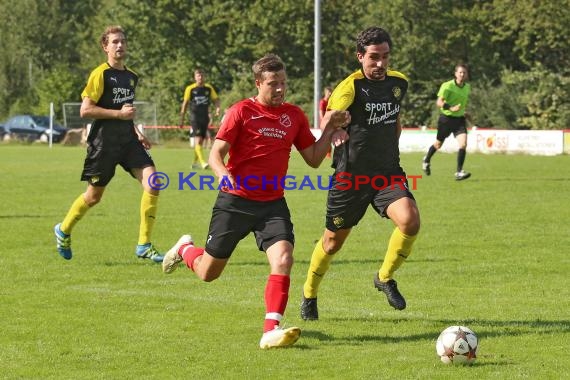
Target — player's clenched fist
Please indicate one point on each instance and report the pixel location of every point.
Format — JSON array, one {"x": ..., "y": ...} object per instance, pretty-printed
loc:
[{"x": 336, "y": 119}]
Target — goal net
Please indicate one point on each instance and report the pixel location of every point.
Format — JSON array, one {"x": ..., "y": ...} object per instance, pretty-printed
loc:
[{"x": 146, "y": 115}]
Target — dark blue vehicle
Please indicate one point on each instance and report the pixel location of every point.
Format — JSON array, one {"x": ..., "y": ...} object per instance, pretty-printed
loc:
[{"x": 32, "y": 128}]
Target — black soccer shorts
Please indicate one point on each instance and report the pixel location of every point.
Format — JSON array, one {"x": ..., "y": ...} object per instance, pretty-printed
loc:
[
  {"x": 446, "y": 125},
  {"x": 347, "y": 204},
  {"x": 200, "y": 126},
  {"x": 233, "y": 218},
  {"x": 102, "y": 159}
]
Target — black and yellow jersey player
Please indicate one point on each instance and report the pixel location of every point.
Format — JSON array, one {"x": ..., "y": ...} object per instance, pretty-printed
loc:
[
  {"x": 374, "y": 131},
  {"x": 108, "y": 99},
  {"x": 198, "y": 98},
  {"x": 111, "y": 88},
  {"x": 367, "y": 170}
]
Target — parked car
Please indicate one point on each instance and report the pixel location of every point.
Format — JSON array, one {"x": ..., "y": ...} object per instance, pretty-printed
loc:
[
  {"x": 32, "y": 128},
  {"x": 2, "y": 132}
]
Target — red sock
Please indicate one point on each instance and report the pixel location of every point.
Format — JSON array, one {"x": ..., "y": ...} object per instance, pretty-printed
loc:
[
  {"x": 276, "y": 296},
  {"x": 189, "y": 253}
]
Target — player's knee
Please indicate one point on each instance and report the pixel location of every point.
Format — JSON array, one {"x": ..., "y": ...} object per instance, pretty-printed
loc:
[
  {"x": 93, "y": 199},
  {"x": 331, "y": 246},
  {"x": 282, "y": 264},
  {"x": 287, "y": 263},
  {"x": 410, "y": 227},
  {"x": 437, "y": 144}
]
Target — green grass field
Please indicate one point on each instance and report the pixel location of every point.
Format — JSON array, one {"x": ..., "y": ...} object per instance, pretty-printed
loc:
[{"x": 493, "y": 254}]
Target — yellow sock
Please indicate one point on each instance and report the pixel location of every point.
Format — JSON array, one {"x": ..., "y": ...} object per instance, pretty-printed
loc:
[
  {"x": 148, "y": 216},
  {"x": 76, "y": 211},
  {"x": 198, "y": 154},
  {"x": 399, "y": 248},
  {"x": 320, "y": 264}
]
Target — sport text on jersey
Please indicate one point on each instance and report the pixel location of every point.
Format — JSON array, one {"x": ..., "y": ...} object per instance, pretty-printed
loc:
[
  {"x": 381, "y": 112},
  {"x": 123, "y": 95},
  {"x": 201, "y": 100}
]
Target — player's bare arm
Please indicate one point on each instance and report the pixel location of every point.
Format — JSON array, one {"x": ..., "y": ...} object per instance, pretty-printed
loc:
[
  {"x": 334, "y": 119},
  {"x": 441, "y": 103},
  {"x": 142, "y": 138},
  {"x": 89, "y": 109},
  {"x": 219, "y": 151},
  {"x": 217, "y": 104},
  {"x": 339, "y": 137},
  {"x": 183, "y": 112},
  {"x": 332, "y": 122}
]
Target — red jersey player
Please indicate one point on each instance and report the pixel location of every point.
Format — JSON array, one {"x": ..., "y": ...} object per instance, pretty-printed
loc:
[{"x": 258, "y": 134}]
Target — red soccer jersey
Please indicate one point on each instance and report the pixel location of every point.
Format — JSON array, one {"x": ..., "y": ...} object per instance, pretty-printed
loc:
[{"x": 261, "y": 138}]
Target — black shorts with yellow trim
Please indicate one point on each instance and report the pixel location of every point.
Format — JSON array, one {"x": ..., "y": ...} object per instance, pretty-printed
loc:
[
  {"x": 351, "y": 194},
  {"x": 103, "y": 158},
  {"x": 199, "y": 126}
]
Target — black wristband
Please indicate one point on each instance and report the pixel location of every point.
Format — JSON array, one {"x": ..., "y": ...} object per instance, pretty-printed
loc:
[{"x": 446, "y": 106}]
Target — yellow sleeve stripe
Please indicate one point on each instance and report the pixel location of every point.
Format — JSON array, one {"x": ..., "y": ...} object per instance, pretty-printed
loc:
[
  {"x": 213, "y": 93},
  {"x": 188, "y": 90},
  {"x": 343, "y": 95},
  {"x": 94, "y": 88},
  {"x": 394, "y": 73}
]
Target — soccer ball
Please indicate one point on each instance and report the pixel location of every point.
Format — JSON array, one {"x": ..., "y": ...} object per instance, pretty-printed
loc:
[{"x": 457, "y": 344}]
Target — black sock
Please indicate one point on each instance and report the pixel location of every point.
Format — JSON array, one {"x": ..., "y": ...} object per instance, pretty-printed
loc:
[
  {"x": 430, "y": 153},
  {"x": 460, "y": 159}
]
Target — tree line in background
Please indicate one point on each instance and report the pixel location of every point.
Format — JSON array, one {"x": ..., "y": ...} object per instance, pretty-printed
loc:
[{"x": 518, "y": 51}]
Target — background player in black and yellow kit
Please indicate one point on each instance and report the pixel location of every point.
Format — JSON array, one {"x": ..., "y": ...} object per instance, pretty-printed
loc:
[
  {"x": 113, "y": 140},
  {"x": 373, "y": 96},
  {"x": 199, "y": 96}
]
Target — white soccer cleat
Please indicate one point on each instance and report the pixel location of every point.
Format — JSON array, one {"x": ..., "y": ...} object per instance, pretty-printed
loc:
[
  {"x": 279, "y": 337},
  {"x": 172, "y": 258},
  {"x": 460, "y": 176}
]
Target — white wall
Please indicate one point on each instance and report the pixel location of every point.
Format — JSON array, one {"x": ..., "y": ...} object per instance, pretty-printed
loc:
[{"x": 488, "y": 141}]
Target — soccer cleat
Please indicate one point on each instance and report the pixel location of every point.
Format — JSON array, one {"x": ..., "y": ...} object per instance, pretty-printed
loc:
[
  {"x": 279, "y": 337},
  {"x": 147, "y": 251},
  {"x": 63, "y": 242},
  {"x": 309, "y": 310},
  {"x": 196, "y": 165},
  {"x": 426, "y": 167},
  {"x": 390, "y": 288},
  {"x": 172, "y": 258},
  {"x": 205, "y": 166},
  {"x": 461, "y": 175}
]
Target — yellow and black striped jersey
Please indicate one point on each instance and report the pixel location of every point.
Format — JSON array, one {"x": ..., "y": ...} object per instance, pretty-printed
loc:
[
  {"x": 374, "y": 107},
  {"x": 111, "y": 88},
  {"x": 200, "y": 98}
]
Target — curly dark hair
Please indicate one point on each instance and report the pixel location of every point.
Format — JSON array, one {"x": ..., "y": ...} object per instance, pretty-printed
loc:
[{"x": 372, "y": 36}]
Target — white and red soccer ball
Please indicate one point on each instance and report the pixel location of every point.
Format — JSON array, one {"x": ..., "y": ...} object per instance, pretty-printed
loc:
[{"x": 457, "y": 345}]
